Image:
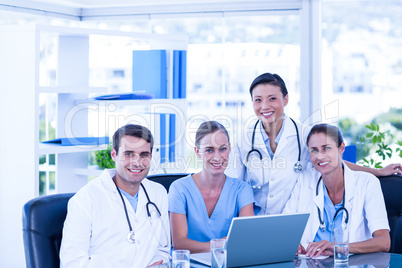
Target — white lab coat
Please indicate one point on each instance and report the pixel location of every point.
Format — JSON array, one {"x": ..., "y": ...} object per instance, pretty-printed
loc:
[
  {"x": 95, "y": 231},
  {"x": 272, "y": 180},
  {"x": 363, "y": 200}
]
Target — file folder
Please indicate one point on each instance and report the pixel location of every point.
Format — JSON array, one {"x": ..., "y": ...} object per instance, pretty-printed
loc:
[
  {"x": 73, "y": 141},
  {"x": 125, "y": 96},
  {"x": 172, "y": 137},
  {"x": 162, "y": 128},
  {"x": 179, "y": 74},
  {"x": 149, "y": 72}
]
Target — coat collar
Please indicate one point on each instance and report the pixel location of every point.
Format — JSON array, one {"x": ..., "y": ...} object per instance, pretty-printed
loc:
[
  {"x": 107, "y": 180},
  {"x": 259, "y": 142},
  {"x": 288, "y": 131}
]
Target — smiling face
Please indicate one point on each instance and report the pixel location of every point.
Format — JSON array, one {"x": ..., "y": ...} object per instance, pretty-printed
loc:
[
  {"x": 325, "y": 155},
  {"x": 269, "y": 103},
  {"x": 133, "y": 161},
  {"x": 214, "y": 149}
]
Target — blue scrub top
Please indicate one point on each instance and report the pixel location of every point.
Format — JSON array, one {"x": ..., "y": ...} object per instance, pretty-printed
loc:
[
  {"x": 132, "y": 199},
  {"x": 329, "y": 213},
  {"x": 185, "y": 198}
]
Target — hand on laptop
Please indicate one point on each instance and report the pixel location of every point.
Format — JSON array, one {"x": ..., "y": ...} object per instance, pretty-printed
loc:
[
  {"x": 323, "y": 247},
  {"x": 301, "y": 250}
]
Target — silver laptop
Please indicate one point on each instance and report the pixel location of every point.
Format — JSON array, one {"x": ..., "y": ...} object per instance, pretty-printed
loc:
[{"x": 261, "y": 240}]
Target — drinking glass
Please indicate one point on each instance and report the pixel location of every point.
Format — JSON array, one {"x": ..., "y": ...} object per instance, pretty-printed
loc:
[
  {"x": 341, "y": 248},
  {"x": 181, "y": 259},
  {"x": 218, "y": 253}
]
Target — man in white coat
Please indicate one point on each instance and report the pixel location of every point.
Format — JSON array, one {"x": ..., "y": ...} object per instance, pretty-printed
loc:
[{"x": 121, "y": 218}]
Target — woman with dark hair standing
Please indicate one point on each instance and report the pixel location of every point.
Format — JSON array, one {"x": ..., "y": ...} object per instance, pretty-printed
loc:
[
  {"x": 202, "y": 205},
  {"x": 272, "y": 154},
  {"x": 337, "y": 197}
]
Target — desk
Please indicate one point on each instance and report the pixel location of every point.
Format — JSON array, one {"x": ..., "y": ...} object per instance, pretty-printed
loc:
[{"x": 378, "y": 260}]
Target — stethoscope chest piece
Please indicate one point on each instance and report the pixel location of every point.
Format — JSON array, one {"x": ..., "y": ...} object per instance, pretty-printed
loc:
[
  {"x": 298, "y": 167},
  {"x": 322, "y": 226},
  {"x": 131, "y": 237}
]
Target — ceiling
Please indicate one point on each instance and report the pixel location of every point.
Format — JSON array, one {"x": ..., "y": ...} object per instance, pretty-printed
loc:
[
  {"x": 100, "y": 9},
  {"x": 126, "y": 3}
]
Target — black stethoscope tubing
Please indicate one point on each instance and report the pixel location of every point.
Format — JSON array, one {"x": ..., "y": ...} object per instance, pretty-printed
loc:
[
  {"x": 297, "y": 166},
  {"x": 130, "y": 236},
  {"x": 322, "y": 223}
]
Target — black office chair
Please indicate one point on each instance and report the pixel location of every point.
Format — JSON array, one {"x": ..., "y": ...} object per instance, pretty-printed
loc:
[
  {"x": 42, "y": 221},
  {"x": 166, "y": 179},
  {"x": 392, "y": 191}
]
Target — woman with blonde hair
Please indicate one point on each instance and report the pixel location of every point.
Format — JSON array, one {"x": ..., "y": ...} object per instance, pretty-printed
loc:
[{"x": 202, "y": 205}]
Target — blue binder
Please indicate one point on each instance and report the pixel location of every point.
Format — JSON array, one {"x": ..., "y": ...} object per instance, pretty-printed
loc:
[
  {"x": 149, "y": 72},
  {"x": 73, "y": 141},
  {"x": 163, "y": 133},
  {"x": 125, "y": 96},
  {"x": 179, "y": 74},
  {"x": 172, "y": 137}
]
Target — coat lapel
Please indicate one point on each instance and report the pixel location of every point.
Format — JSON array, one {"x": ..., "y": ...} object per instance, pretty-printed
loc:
[
  {"x": 288, "y": 132},
  {"x": 319, "y": 203},
  {"x": 259, "y": 143},
  {"x": 350, "y": 184}
]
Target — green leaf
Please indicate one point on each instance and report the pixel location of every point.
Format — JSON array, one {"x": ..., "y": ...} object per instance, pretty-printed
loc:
[
  {"x": 378, "y": 165},
  {"x": 371, "y": 127},
  {"x": 369, "y": 135}
]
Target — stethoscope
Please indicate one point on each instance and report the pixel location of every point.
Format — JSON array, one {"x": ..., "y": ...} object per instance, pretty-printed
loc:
[
  {"x": 322, "y": 223},
  {"x": 131, "y": 234},
  {"x": 298, "y": 167}
]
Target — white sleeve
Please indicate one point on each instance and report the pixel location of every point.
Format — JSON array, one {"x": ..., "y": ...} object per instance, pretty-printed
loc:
[
  {"x": 163, "y": 253},
  {"x": 76, "y": 233},
  {"x": 374, "y": 206},
  {"x": 236, "y": 169},
  {"x": 293, "y": 202}
]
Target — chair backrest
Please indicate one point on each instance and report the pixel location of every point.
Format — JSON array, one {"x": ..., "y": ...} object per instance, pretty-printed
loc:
[
  {"x": 166, "y": 179},
  {"x": 42, "y": 221},
  {"x": 350, "y": 153},
  {"x": 392, "y": 191}
]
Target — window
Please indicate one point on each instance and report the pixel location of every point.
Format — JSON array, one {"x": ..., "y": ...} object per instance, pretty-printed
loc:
[{"x": 362, "y": 64}]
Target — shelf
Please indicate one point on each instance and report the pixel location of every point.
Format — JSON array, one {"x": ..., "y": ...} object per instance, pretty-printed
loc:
[
  {"x": 178, "y": 102},
  {"x": 90, "y": 171},
  {"x": 58, "y": 149},
  {"x": 77, "y": 89}
]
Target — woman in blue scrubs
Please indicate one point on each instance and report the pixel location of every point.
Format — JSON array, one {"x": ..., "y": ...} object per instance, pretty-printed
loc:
[
  {"x": 202, "y": 205},
  {"x": 336, "y": 196}
]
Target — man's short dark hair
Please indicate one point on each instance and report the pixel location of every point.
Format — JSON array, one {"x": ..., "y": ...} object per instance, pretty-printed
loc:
[{"x": 134, "y": 131}]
